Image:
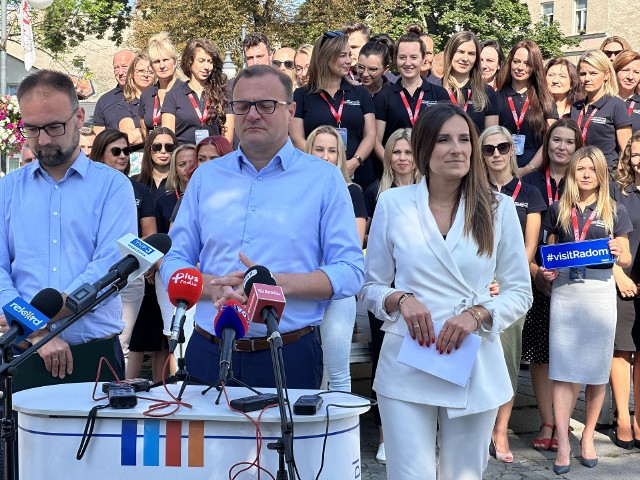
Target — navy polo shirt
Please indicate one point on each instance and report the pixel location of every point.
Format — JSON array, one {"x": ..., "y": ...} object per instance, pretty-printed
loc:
[
  {"x": 633, "y": 109},
  {"x": 631, "y": 201},
  {"x": 314, "y": 112},
  {"x": 147, "y": 101},
  {"x": 610, "y": 116},
  {"x": 144, "y": 203},
  {"x": 529, "y": 200},
  {"x": 357, "y": 199},
  {"x": 129, "y": 110},
  {"x": 539, "y": 181},
  {"x": 106, "y": 111},
  {"x": 165, "y": 204},
  {"x": 391, "y": 109},
  {"x": 531, "y": 142},
  {"x": 478, "y": 117}
]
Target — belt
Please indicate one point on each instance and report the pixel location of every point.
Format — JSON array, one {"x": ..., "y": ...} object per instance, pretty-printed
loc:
[{"x": 260, "y": 343}]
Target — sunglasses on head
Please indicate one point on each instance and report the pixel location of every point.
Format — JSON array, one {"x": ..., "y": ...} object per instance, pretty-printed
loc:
[
  {"x": 168, "y": 147},
  {"x": 503, "y": 148},
  {"x": 615, "y": 53},
  {"x": 116, "y": 151},
  {"x": 288, "y": 64},
  {"x": 332, "y": 34}
]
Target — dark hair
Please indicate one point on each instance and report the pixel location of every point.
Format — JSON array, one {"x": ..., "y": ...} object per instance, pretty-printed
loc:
[
  {"x": 146, "y": 170},
  {"x": 565, "y": 123},
  {"x": 215, "y": 88},
  {"x": 625, "y": 174},
  {"x": 351, "y": 27},
  {"x": 480, "y": 202},
  {"x": 496, "y": 46},
  {"x": 411, "y": 37},
  {"x": 540, "y": 100},
  {"x": 576, "y": 91},
  {"x": 478, "y": 93},
  {"x": 259, "y": 71},
  {"x": 415, "y": 28},
  {"x": 49, "y": 80},
  {"x": 378, "y": 47},
  {"x": 254, "y": 39},
  {"x": 103, "y": 140}
]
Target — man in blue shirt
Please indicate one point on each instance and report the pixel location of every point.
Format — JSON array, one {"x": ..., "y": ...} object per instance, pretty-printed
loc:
[
  {"x": 271, "y": 204},
  {"x": 62, "y": 217}
]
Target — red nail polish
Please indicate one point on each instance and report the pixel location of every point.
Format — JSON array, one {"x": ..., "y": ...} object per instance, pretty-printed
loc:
[
  {"x": 433, "y": 340},
  {"x": 428, "y": 344},
  {"x": 420, "y": 342},
  {"x": 448, "y": 350},
  {"x": 441, "y": 352}
]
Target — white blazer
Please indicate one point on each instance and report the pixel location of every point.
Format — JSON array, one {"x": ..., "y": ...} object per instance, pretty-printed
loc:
[{"x": 447, "y": 276}]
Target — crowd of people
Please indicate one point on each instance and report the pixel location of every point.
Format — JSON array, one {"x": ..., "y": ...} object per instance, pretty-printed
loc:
[{"x": 450, "y": 169}]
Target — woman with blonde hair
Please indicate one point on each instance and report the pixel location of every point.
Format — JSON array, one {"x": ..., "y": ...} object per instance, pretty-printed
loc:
[
  {"x": 301, "y": 61},
  {"x": 602, "y": 116},
  {"x": 583, "y": 299},
  {"x": 612, "y": 46},
  {"x": 140, "y": 77}
]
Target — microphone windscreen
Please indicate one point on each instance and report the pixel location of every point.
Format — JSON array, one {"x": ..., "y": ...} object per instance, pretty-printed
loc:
[
  {"x": 231, "y": 315},
  {"x": 49, "y": 301},
  {"x": 257, "y": 274},
  {"x": 186, "y": 285},
  {"x": 159, "y": 241}
]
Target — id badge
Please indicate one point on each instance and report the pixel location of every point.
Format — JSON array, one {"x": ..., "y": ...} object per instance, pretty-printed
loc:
[
  {"x": 201, "y": 135},
  {"x": 577, "y": 274},
  {"x": 518, "y": 143},
  {"x": 343, "y": 135}
]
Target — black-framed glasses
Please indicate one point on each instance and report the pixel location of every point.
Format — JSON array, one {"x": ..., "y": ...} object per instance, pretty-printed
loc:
[
  {"x": 503, "y": 148},
  {"x": 331, "y": 34},
  {"x": 372, "y": 70},
  {"x": 53, "y": 129},
  {"x": 288, "y": 64},
  {"x": 263, "y": 107},
  {"x": 116, "y": 151},
  {"x": 300, "y": 70},
  {"x": 157, "y": 147}
]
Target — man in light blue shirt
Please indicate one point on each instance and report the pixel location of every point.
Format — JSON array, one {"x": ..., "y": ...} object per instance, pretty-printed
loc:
[
  {"x": 62, "y": 217},
  {"x": 280, "y": 208}
]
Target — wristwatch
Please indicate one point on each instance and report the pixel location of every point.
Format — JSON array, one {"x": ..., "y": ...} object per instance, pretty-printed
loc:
[{"x": 359, "y": 159}]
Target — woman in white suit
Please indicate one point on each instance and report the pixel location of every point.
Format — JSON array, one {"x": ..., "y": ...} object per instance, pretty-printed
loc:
[{"x": 442, "y": 242}]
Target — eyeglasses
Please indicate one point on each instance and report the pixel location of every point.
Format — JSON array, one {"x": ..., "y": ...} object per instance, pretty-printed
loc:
[
  {"x": 332, "y": 34},
  {"x": 264, "y": 107},
  {"x": 53, "y": 129},
  {"x": 144, "y": 73},
  {"x": 300, "y": 70},
  {"x": 503, "y": 148},
  {"x": 168, "y": 147},
  {"x": 288, "y": 64},
  {"x": 372, "y": 70},
  {"x": 116, "y": 151},
  {"x": 615, "y": 53}
]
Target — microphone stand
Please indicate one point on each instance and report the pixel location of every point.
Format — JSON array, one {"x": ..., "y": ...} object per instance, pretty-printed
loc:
[
  {"x": 8, "y": 371},
  {"x": 284, "y": 444}
]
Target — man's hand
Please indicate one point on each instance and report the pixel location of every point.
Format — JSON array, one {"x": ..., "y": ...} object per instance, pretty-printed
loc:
[{"x": 57, "y": 357}]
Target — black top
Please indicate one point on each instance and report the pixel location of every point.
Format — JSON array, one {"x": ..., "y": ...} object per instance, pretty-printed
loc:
[
  {"x": 633, "y": 108},
  {"x": 129, "y": 110},
  {"x": 144, "y": 202},
  {"x": 371, "y": 197},
  {"x": 359, "y": 209},
  {"x": 531, "y": 143},
  {"x": 315, "y": 112},
  {"x": 478, "y": 117},
  {"x": 165, "y": 204},
  {"x": 631, "y": 201},
  {"x": 147, "y": 101},
  {"x": 529, "y": 200},
  {"x": 106, "y": 112},
  {"x": 391, "y": 109},
  {"x": 610, "y": 116}
]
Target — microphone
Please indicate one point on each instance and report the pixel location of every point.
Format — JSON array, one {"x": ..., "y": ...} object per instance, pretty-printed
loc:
[
  {"x": 230, "y": 324},
  {"x": 138, "y": 257},
  {"x": 184, "y": 289},
  {"x": 25, "y": 318},
  {"x": 266, "y": 299}
]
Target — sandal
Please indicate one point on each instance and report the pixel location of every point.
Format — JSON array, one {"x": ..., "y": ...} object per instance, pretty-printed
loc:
[{"x": 544, "y": 443}]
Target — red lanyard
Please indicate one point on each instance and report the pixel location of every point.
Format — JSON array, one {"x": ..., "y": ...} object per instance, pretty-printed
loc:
[
  {"x": 337, "y": 115},
  {"x": 574, "y": 218},
  {"x": 516, "y": 191},
  {"x": 631, "y": 105},
  {"x": 549, "y": 194},
  {"x": 156, "y": 111},
  {"x": 522, "y": 113},
  {"x": 586, "y": 124},
  {"x": 455, "y": 100},
  {"x": 201, "y": 117},
  {"x": 177, "y": 194},
  {"x": 412, "y": 116}
]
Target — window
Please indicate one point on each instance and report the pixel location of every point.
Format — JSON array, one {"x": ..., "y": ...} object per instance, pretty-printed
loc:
[
  {"x": 581, "y": 16},
  {"x": 546, "y": 13}
]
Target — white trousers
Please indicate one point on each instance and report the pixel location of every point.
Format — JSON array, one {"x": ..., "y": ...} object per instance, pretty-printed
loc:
[
  {"x": 410, "y": 431},
  {"x": 131, "y": 296}
]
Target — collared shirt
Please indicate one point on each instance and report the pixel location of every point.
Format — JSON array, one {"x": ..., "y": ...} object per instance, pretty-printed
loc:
[
  {"x": 633, "y": 108},
  {"x": 107, "y": 113},
  {"x": 631, "y": 200},
  {"x": 611, "y": 115},
  {"x": 64, "y": 234},
  {"x": 529, "y": 200},
  {"x": 147, "y": 102},
  {"x": 129, "y": 110},
  {"x": 294, "y": 215}
]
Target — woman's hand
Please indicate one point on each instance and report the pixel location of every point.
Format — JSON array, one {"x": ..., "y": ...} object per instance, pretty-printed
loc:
[
  {"x": 614, "y": 248},
  {"x": 494, "y": 288},
  {"x": 543, "y": 285},
  {"x": 418, "y": 318},
  {"x": 626, "y": 286},
  {"x": 454, "y": 331},
  {"x": 549, "y": 275}
]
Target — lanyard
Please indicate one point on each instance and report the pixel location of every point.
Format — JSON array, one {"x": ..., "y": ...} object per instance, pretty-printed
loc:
[
  {"x": 522, "y": 113},
  {"x": 585, "y": 128},
  {"x": 412, "y": 116},
  {"x": 337, "y": 115},
  {"x": 574, "y": 218},
  {"x": 177, "y": 194},
  {"x": 201, "y": 117},
  {"x": 516, "y": 190},
  {"x": 156, "y": 111},
  {"x": 455, "y": 100},
  {"x": 549, "y": 194},
  {"x": 631, "y": 105}
]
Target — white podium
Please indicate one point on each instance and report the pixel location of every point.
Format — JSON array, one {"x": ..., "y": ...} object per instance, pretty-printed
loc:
[{"x": 202, "y": 442}]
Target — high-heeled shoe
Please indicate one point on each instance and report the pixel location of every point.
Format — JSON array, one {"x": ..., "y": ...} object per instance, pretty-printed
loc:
[
  {"x": 626, "y": 444},
  {"x": 506, "y": 457},
  {"x": 544, "y": 443},
  {"x": 588, "y": 462},
  {"x": 561, "y": 469}
]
